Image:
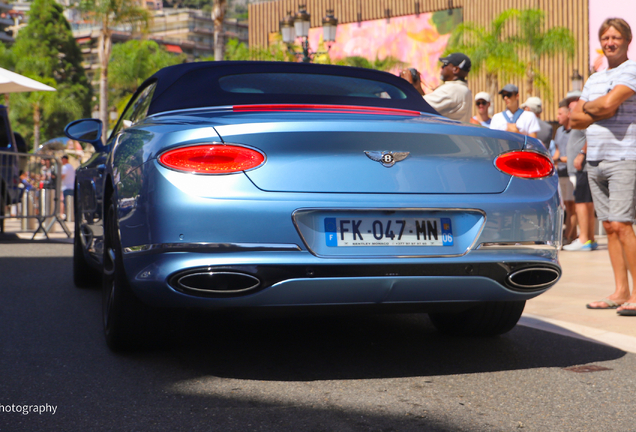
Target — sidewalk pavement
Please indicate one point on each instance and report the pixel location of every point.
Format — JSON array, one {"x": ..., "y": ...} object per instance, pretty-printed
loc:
[
  {"x": 587, "y": 276},
  {"x": 13, "y": 233}
]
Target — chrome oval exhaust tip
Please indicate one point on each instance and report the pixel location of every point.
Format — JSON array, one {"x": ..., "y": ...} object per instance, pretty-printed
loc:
[
  {"x": 533, "y": 278},
  {"x": 206, "y": 283}
]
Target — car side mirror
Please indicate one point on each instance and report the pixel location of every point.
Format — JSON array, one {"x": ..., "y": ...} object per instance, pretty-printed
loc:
[{"x": 86, "y": 130}]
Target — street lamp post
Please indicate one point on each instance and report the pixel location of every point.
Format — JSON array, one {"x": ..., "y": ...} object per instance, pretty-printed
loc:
[
  {"x": 577, "y": 80},
  {"x": 297, "y": 26}
]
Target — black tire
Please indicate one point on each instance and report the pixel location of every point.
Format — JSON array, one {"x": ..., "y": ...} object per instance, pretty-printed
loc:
[
  {"x": 84, "y": 276},
  {"x": 486, "y": 319},
  {"x": 127, "y": 320}
]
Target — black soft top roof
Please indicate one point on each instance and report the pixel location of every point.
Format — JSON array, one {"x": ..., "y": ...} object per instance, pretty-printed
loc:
[{"x": 207, "y": 84}]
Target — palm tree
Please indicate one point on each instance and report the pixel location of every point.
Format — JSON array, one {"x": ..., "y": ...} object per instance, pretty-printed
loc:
[
  {"x": 537, "y": 42},
  {"x": 235, "y": 50},
  {"x": 46, "y": 51},
  {"x": 110, "y": 14},
  {"x": 386, "y": 64},
  {"x": 498, "y": 53},
  {"x": 489, "y": 49},
  {"x": 218, "y": 16}
]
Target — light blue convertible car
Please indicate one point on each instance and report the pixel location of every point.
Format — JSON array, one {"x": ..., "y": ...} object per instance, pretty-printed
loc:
[{"x": 252, "y": 185}]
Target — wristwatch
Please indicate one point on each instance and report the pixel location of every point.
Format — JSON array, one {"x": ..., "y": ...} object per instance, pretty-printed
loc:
[{"x": 582, "y": 152}]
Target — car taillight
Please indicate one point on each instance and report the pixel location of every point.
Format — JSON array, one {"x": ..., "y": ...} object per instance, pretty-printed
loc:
[
  {"x": 525, "y": 164},
  {"x": 212, "y": 159}
]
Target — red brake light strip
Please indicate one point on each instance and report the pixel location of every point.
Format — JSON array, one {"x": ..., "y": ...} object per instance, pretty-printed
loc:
[{"x": 348, "y": 109}]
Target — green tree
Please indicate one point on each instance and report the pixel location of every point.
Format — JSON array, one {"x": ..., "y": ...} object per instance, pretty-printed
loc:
[
  {"x": 489, "y": 49},
  {"x": 235, "y": 50},
  {"x": 46, "y": 51},
  {"x": 385, "y": 64},
  {"x": 110, "y": 14},
  {"x": 536, "y": 42},
  {"x": 134, "y": 61},
  {"x": 44, "y": 107},
  {"x": 498, "y": 53},
  {"x": 7, "y": 57},
  {"x": 7, "y": 61}
]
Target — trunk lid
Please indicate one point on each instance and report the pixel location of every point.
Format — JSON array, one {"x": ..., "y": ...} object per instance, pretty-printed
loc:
[{"x": 327, "y": 153}]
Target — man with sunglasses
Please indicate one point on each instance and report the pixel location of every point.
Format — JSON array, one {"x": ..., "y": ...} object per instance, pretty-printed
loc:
[
  {"x": 482, "y": 103},
  {"x": 453, "y": 99},
  {"x": 607, "y": 110},
  {"x": 513, "y": 118}
]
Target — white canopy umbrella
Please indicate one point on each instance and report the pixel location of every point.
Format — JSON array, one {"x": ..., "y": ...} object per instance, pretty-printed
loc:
[{"x": 11, "y": 82}]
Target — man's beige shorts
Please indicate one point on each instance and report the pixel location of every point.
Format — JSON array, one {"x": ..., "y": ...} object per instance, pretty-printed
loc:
[{"x": 567, "y": 188}]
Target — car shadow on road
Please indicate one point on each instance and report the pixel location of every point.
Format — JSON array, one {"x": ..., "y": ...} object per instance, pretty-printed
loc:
[
  {"x": 292, "y": 348},
  {"x": 53, "y": 346},
  {"x": 359, "y": 347}
]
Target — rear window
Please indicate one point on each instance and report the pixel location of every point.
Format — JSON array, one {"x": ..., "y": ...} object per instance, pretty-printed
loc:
[
  {"x": 218, "y": 84},
  {"x": 309, "y": 84}
]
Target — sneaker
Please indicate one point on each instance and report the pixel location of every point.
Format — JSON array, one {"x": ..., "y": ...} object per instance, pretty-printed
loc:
[
  {"x": 576, "y": 245},
  {"x": 594, "y": 245}
]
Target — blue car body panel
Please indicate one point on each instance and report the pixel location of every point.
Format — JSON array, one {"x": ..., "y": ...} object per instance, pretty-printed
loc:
[{"x": 269, "y": 222}]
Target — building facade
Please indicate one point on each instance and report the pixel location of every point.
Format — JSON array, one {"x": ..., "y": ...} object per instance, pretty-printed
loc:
[
  {"x": 180, "y": 31},
  {"x": 264, "y": 21},
  {"x": 11, "y": 19}
]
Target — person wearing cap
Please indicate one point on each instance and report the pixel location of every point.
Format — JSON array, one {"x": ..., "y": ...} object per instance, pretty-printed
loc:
[
  {"x": 583, "y": 202},
  {"x": 513, "y": 118},
  {"x": 482, "y": 103},
  {"x": 535, "y": 105},
  {"x": 453, "y": 99},
  {"x": 606, "y": 110},
  {"x": 561, "y": 139}
]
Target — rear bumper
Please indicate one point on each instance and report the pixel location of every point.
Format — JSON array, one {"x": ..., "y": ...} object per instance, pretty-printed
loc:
[
  {"x": 300, "y": 279},
  {"x": 225, "y": 225}
]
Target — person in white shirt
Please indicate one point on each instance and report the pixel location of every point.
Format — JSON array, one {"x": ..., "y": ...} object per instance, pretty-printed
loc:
[
  {"x": 453, "y": 99},
  {"x": 606, "y": 110},
  {"x": 514, "y": 119},
  {"x": 482, "y": 103},
  {"x": 68, "y": 183},
  {"x": 535, "y": 105}
]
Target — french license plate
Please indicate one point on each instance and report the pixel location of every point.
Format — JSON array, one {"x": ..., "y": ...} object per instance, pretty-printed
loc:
[{"x": 379, "y": 231}]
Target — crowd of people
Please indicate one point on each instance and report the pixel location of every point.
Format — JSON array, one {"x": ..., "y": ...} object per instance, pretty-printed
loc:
[
  {"x": 594, "y": 148},
  {"x": 33, "y": 181}
]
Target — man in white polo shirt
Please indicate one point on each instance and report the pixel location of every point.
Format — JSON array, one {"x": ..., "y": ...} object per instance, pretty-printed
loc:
[
  {"x": 513, "y": 118},
  {"x": 607, "y": 108}
]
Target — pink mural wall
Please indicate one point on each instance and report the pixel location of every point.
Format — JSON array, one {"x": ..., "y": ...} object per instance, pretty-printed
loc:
[
  {"x": 416, "y": 40},
  {"x": 600, "y": 10}
]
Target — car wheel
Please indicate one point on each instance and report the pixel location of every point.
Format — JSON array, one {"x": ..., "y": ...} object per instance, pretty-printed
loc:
[
  {"x": 126, "y": 318},
  {"x": 84, "y": 276},
  {"x": 486, "y": 319}
]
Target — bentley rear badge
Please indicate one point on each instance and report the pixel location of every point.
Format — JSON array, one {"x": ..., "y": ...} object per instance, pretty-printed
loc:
[{"x": 387, "y": 158}]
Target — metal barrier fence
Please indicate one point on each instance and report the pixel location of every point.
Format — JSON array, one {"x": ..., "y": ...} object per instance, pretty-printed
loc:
[{"x": 31, "y": 191}]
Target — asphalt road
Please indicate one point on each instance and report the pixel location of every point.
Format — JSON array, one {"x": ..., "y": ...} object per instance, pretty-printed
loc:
[{"x": 361, "y": 373}]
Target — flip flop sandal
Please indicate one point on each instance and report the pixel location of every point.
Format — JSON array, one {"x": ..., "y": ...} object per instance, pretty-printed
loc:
[
  {"x": 610, "y": 304},
  {"x": 627, "y": 312}
]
